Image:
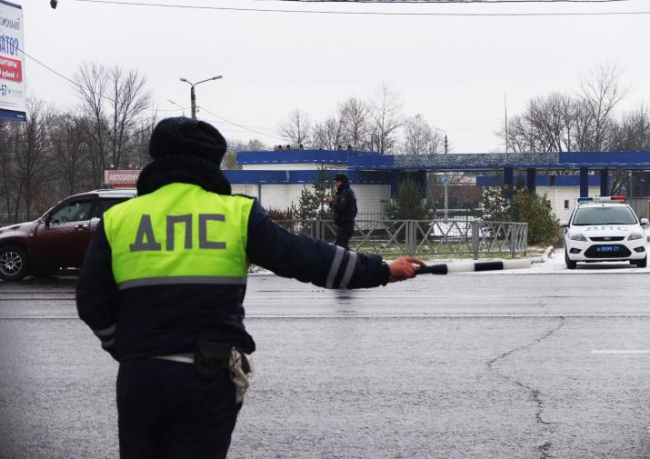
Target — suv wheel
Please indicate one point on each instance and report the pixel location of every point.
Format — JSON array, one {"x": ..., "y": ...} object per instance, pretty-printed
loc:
[
  {"x": 642, "y": 263},
  {"x": 569, "y": 264},
  {"x": 14, "y": 263}
]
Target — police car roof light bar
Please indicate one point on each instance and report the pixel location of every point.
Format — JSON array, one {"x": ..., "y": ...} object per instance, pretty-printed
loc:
[{"x": 601, "y": 198}]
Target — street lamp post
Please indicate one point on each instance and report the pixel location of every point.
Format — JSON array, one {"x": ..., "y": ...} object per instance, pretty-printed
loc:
[
  {"x": 193, "y": 94},
  {"x": 446, "y": 145}
]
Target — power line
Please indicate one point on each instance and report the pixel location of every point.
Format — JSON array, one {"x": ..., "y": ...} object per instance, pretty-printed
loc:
[
  {"x": 388, "y": 13},
  {"x": 150, "y": 109},
  {"x": 72, "y": 82},
  {"x": 241, "y": 125}
]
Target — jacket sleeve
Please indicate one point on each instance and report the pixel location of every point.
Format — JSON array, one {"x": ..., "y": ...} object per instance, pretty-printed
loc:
[
  {"x": 97, "y": 291},
  {"x": 310, "y": 260}
]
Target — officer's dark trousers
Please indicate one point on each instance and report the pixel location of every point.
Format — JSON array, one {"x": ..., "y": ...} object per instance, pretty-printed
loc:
[
  {"x": 344, "y": 234},
  {"x": 166, "y": 410}
]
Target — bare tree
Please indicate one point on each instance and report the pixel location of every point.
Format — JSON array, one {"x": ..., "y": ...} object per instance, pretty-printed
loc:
[
  {"x": 70, "y": 152},
  {"x": 112, "y": 103},
  {"x": 92, "y": 82},
  {"x": 256, "y": 145},
  {"x": 601, "y": 93},
  {"x": 32, "y": 159},
  {"x": 420, "y": 138},
  {"x": 560, "y": 122},
  {"x": 129, "y": 99},
  {"x": 631, "y": 133},
  {"x": 138, "y": 151},
  {"x": 296, "y": 128},
  {"x": 586, "y": 122},
  {"x": 386, "y": 115},
  {"x": 7, "y": 171},
  {"x": 328, "y": 135},
  {"x": 549, "y": 124},
  {"x": 354, "y": 115}
]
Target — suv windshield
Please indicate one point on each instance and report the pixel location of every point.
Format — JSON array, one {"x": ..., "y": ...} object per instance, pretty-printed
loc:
[{"x": 619, "y": 215}]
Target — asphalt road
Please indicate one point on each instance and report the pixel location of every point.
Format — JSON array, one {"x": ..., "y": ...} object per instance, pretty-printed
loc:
[{"x": 542, "y": 363}]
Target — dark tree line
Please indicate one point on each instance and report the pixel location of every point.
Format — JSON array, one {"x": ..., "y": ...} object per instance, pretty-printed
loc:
[{"x": 57, "y": 153}]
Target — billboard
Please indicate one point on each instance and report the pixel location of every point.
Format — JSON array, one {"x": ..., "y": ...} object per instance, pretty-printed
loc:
[{"x": 13, "y": 103}]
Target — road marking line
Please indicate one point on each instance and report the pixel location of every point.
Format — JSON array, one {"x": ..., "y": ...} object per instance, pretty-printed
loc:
[
  {"x": 352, "y": 315},
  {"x": 632, "y": 351}
]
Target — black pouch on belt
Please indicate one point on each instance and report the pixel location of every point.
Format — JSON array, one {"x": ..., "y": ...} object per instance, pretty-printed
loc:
[{"x": 211, "y": 359}]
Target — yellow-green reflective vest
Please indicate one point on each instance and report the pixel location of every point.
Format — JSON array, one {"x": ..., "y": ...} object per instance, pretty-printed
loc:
[{"x": 179, "y": 234}]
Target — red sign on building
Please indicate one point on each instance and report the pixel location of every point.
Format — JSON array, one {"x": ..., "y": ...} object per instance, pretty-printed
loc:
[
  {"x": 121, "y": 178},
  {"x": 11, "y": 69}
]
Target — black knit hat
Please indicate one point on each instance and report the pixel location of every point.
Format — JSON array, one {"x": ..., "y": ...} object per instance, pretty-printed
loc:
[
  {"x": 341, "y": 177},
  {"x": 186, "y": 136}
]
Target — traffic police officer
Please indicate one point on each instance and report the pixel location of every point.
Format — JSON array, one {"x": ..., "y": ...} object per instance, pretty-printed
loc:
[{"x": 163, "y": 285}]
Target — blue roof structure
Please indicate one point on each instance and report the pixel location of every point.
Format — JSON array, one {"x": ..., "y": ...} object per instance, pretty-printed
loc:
[
  {"x": 292, "y": 157},
  {"x": 370, "y": 161},
  {"x": 252, "y": 177}
]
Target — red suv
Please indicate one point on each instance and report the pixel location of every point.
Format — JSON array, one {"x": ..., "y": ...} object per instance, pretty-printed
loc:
[{"x": 59, "y": 238}]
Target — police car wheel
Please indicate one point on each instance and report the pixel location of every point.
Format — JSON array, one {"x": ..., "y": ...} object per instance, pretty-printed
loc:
[
  {"x": 14, "y": 263},
  {"x": 642, "y": 263},
  {"x": 569, "y": 264}
]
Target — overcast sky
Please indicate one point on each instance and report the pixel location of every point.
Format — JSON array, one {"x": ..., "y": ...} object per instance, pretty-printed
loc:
[{"x": 454, "y": 70}]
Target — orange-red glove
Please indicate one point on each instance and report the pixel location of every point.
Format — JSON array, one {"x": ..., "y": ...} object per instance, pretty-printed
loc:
[{"x": 403, "y": 268}]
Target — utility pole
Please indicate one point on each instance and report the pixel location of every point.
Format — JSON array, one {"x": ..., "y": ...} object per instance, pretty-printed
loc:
[
  {"x": 505, "y": 109},
  {"x": 193, "y": 93}
]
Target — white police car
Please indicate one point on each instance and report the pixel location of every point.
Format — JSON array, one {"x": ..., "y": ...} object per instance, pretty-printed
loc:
[{"x": 604, "y": 229}]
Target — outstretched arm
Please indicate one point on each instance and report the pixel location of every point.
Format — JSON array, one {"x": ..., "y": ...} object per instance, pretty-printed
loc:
[{"x": 310, "y": 260}]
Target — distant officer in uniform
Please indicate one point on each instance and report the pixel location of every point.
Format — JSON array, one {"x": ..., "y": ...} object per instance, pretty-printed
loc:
[
  {"x": 163, "y": 284},
  {"x": 344, "y": 205}
]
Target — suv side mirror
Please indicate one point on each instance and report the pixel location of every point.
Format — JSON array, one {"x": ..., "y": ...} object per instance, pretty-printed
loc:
[
  {"x": 645, "y": 222},
  {"x": 564, "y": 223}
]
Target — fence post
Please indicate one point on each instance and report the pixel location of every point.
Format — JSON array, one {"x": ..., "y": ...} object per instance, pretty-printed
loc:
[
  {"x": 475, "y": 239},
  {"x": 514, "y": 236},
  {"x": 407, "y": 235},
  {"x": 525, "y": 239}
]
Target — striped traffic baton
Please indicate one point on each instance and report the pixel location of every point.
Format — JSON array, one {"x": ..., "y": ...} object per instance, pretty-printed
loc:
[{"x": 469, "y": 266}]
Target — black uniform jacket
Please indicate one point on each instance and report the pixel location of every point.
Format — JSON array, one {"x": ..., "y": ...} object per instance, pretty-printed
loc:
[
  {"x": 344, "y": 205},
  {"x": 169, "y": 319}
]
